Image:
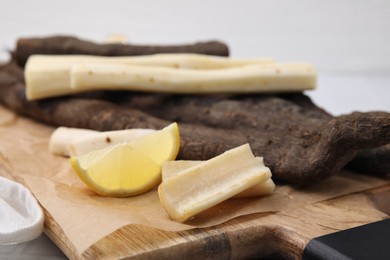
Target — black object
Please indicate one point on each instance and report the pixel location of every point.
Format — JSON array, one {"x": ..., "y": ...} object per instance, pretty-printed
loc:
[{"x": 371, "y": 241}]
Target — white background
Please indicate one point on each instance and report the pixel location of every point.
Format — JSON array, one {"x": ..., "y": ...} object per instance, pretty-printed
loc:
[
  {"x": 348, "y": 41},
  {"x": 337, "y": 36}
]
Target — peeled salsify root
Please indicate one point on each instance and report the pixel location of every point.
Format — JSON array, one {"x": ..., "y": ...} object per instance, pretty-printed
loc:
[
  {"x": 67, "y": 141},
  {"x": 173, "y": 168},
  {"x": 49, "y": 76},
  {"x": 208, "y": 183}
]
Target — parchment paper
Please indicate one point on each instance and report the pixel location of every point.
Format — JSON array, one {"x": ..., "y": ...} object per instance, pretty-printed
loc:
[{"x": 86, "y": 217}]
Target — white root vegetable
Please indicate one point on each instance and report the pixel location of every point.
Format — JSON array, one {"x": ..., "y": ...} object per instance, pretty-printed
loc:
[
  {"x": 244, "y": 79},
  {"x": 75, "y": 141},
  {"x": 50, "y": 75},
  {"x": 61, "y": 137},
  {"x": 174, "y": 168},
  {"x": 211, "y": 182},
  {"x": 85, "y": 144}
]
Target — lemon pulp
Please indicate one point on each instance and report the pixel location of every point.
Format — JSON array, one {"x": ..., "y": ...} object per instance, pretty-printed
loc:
[{"x": 128, "y": 169}]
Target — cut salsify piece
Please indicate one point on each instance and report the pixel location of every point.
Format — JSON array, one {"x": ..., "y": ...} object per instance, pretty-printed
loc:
[
  {"x": 130, "y": 168},
  {"x": 211, "y": 182},
  {"x": 61, "y": 137},
  {"x": 174, "y": 168},
  {"x": 66, "y": 141},
  {"x": 84, "y": 144}
]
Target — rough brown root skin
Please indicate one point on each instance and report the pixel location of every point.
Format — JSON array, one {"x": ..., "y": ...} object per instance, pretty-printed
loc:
[
  {"x": 338, "y": 142},
  {"x": 71, "y": 45},
  {"x": 372, "y": 161}
]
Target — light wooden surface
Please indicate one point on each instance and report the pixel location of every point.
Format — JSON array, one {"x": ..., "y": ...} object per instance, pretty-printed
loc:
[{"x": 282, "y": 234}]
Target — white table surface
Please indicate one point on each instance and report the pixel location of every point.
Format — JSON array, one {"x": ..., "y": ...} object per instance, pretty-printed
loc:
[{"x": 348, "y": 41}]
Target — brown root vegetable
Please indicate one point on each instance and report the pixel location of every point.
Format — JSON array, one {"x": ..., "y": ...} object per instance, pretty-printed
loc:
[
  {"x": 299, "y": 142},
  {"x": 228, "y": 112},
  {"x": 288, "y": 123},
  {"x": 372, "y": 161},
  {"x": 71, "y": 45}
]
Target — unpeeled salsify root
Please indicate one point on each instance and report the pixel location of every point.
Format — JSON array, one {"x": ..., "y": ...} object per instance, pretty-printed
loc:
[{"x": 71, "y": 45}]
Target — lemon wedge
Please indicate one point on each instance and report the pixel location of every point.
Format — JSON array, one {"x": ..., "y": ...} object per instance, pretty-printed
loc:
[{"x": 129, "y": 168}]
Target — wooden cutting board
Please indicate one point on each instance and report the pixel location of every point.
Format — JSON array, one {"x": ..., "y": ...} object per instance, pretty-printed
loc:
[{"x": 279, "y": 234}]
